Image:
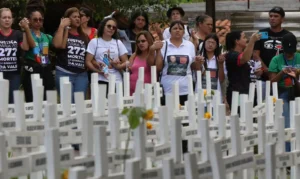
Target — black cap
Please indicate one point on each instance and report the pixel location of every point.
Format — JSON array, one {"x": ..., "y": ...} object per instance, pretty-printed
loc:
[
  {"x": 289, "y": 43},
  {"x": 181, "y": 11},
  {"x": 278, "y": 10}
]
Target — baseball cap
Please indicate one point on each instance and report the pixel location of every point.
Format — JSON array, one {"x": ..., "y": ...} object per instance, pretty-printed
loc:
[
  {"x": 181, "y": 11},
  {"x": 289, "y": 43},
  {"x": 278, "y": 10}
]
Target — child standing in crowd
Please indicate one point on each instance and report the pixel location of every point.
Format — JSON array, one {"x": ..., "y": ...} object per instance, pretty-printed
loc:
[
  {"x": 11, "y": 43},
  {"x": 71, "y": 43},
  {"x": 37, "y": 59},
  {"x": 144, "y": 41},
  {"x": 237, "y": 58},
  {"x": 109, "y": 52}
]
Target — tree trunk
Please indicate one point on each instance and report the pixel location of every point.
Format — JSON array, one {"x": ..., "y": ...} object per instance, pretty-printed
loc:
[{"x": 211, "y": 11}]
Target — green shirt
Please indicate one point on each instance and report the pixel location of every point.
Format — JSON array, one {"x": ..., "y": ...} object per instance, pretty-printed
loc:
[
  {"x": 278, "y": 63},
  {"x": 41, "y": 49}
]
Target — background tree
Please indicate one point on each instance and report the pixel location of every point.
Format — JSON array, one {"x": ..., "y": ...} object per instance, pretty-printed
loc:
[{"x": 55, "y": 9}]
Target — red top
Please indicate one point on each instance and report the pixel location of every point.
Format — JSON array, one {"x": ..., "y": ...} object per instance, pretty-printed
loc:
[{"x": 92, "y": 34}]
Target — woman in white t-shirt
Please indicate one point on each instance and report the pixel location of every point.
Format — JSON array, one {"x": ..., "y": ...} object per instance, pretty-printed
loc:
[
  {"x": 213, "y": 61},
  {"x": 175, "y": 60},
  {"x": 109, "y": 52}
]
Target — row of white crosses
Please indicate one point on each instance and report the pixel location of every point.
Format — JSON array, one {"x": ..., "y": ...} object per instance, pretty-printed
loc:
[{"x": 66, "y": 105}]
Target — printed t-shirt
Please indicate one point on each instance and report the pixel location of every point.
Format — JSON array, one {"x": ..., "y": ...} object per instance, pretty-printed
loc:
[
  {"x": 238, "y": 74},
  {"x": 10, "y": 51},
  {"x": 72, "y": 59},
  {"x": 278, "y": 63},
  {"x": 40, "y": 53},
  {"x": 167, "y": 34},
  {"x": 102, "y": 50},
  {"x": 177, "y": 65},
  {"x": 213, "y": 68},
  {"x": 270, "y": 47}
]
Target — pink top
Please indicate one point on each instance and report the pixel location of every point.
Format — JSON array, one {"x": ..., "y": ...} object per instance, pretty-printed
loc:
[{"x": 137, "y": 63}]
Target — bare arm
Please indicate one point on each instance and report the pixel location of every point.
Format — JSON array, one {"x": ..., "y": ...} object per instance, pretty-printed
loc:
[
  {"x": 61, "y": 36},
  {"x": 275, "y": 77},
  {"x": 154, "y": 50},
  {"x": 221, "y": 74},
  {"x": 28, "y": 41},
  {"x": 159, "y": 62},
  {"x": 89, "y": 63},
  {"x": 249, "y": 49}
]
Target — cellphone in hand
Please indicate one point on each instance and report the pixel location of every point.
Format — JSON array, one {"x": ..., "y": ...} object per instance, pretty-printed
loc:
[{"x": 264, "y": 35}]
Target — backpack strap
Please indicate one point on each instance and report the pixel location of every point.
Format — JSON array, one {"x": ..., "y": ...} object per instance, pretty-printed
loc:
[
  {"x": 188, "y": 29},
  {"x": 166, "y": 48}
]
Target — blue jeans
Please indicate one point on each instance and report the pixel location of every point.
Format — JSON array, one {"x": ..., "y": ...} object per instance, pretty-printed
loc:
[
  {"x": 286, "y": 114},
  {"x": 14, "y": 84},
  {"x": 79, "y": 82}
]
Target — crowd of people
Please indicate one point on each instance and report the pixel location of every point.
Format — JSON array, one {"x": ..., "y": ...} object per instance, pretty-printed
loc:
[{"x": 269, "y": 54}]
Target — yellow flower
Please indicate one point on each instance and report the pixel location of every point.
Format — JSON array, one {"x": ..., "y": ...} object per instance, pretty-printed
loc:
[
  {"x": 204, "y": 92},
  {"x": 65, "y": 174},
  {"x": 149, "y": 125},
  {"x": 207, "y": 115},
  {"x": 148, "y": 115},
  {"x": 274, "y": 100}
]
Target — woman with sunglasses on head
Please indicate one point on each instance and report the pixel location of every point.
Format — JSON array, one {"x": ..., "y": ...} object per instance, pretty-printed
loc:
[
  {"x": 144, "y": 41},
  {"x": 71, "y": 43},
  {"x": 109, "y": 52},
  {"x": 11, "y": 43},
  {"x": 87, "y": 23},
  {"x": 37, "y": 57}
]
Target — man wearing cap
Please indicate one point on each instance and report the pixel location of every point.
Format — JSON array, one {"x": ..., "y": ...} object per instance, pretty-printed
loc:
[
  {"x": 284, "y": 69},
  {"x": 175, "y": 14},
  {"x": 266, "y": 48}
]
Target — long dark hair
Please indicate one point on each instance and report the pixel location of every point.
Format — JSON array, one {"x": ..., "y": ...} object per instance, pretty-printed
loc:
[
  {"x": 137, "y": 14},
  {"x": 231, "y": 37},
  {"x": 102, "y": 26},
  {"x": 88, "y": 13},
  {"x": 68, "y": 13},
  {"x": 217, "y": 50},
  {"x": 35, "y": 6}
]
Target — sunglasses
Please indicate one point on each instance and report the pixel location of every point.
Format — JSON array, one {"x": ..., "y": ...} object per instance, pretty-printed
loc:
[
  {"x": 38, "y": 20},
  {"x": 111, "y": 27},
  {"x": 140, "y": 41}
]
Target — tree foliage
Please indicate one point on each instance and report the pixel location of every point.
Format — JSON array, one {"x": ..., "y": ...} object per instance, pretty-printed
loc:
[{"x": 101, "y": 8}]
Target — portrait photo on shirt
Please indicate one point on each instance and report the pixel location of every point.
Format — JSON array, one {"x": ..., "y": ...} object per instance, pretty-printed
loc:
[{"x": 177, "y": 65}]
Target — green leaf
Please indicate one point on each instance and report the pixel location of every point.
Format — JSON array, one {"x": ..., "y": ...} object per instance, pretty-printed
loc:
[
  {"x": 125, "y": 111},
  {"x": 133, "y": 119}
]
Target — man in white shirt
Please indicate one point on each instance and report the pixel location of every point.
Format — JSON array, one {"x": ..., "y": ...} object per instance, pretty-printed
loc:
[{"x": 175, "y": 14}]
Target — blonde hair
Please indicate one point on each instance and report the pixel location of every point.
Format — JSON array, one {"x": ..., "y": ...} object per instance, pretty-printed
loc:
[{"x": 4, "y": 9}]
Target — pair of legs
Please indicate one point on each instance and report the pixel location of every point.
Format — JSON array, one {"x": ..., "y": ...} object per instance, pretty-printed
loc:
[
  {"x": 14, "y": 79},
  {"x": 45, "y": 73},
  {"x": 79, "y": 82}
]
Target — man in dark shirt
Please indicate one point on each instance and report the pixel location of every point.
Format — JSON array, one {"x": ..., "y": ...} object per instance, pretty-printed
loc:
[{"x": 266, "y": 49}]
